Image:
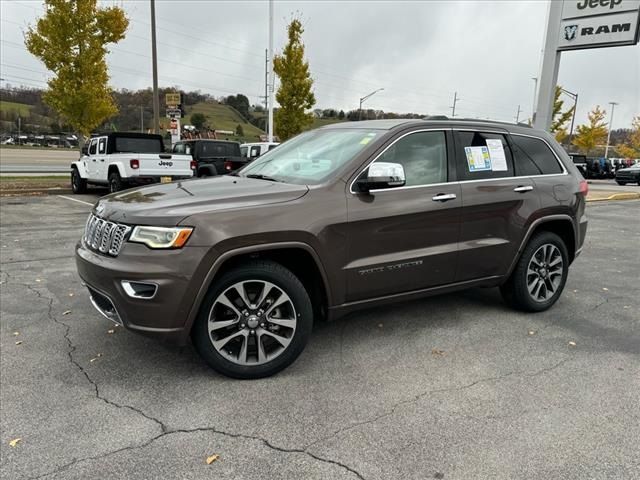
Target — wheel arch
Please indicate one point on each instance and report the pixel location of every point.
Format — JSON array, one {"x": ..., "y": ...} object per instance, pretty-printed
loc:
[
  {"x": 561, "y": 225},
  {"x": 81, "y": 168},
  {"x": 116, "y": 167},
  {"x": 300, "y": 258}
]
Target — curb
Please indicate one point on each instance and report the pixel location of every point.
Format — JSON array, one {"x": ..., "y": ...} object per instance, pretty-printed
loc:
[
  {"x": 617, "y": 196},
  {"x": 34, "y": 191}
]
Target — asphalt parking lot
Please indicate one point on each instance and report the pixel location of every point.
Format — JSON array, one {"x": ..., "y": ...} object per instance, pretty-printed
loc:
[{"x": 453, "y": 387}]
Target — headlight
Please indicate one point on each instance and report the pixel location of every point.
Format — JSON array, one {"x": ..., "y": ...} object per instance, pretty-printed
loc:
[{"x": 161, "y": 237}]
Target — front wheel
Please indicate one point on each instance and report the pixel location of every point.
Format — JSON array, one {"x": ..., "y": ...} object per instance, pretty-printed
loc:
[
  {"x": 540, "y": 274},
  {"x": 620, "y": 183},
  {"x": 115, "y": 182},
  {"x": 254, "y": 322},
  {"x": 78, "y": 184}
]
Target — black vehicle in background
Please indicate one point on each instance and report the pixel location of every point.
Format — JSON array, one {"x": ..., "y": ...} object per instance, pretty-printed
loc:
[
  {"x": 213, "y": 157},
  {"x": 628, "y": 175},
  {"x": 580, "y": 161}
]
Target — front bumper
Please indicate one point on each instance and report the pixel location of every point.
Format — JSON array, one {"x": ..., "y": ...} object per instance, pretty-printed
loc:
[{"x": 177, "y": 274}]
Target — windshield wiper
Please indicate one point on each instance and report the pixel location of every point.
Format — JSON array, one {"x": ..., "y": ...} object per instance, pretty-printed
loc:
[{"x": 262, "y": 177}]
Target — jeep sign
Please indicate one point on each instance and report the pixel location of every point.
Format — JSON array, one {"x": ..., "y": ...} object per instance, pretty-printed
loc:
[{"x": 598, "y": 23}]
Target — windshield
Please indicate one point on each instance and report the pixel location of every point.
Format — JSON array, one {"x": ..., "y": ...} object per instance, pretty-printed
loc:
[{"x": 311, "y": 157}]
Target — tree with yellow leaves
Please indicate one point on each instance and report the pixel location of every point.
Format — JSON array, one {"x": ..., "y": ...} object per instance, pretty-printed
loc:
[
  {"x": 70, "y": 39},
  {"x": 592, "y": 134},
  {"x": 631, "y": 149}
]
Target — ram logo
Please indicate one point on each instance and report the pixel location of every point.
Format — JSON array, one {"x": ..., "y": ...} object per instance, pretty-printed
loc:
[{"x": 570, "y": 32}]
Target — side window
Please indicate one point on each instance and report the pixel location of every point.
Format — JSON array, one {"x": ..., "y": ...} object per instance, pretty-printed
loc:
[
  {"x": 178, "y": 148},
  {"x": 423, "y": 156},
  {"x": 255, "y": 151},
  {"x": 93, "y": 147},
  {"x": 534, "y": 157},
  {"x": 482, "y": 155},
  {"x": 102, "y": 146}
]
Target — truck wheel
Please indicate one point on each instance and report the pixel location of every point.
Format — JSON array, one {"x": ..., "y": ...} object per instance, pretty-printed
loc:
[
  {"x": 540, "y": 274},
  {"x": 78, "y": 184},
  {"x": 115, "y": 182},
  {"x": 620, "y": 183},
  {"x": 207, "y": 172},
  {"x": 254, "y": 322}
]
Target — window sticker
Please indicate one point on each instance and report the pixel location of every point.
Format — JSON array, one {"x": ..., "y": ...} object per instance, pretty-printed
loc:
[
  {"x": 496, "y": 152},
  {"x": 478, "y": 158},
  {"x": 367, "y": 139}
]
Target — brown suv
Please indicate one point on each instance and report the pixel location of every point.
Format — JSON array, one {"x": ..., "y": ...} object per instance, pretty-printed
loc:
[{"x": 336, "y": 219}]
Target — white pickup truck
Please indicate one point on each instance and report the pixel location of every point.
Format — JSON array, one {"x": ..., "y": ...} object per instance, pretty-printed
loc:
[{"x": 122, "y": 159}]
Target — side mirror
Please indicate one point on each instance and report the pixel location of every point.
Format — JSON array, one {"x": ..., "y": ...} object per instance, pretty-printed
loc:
[
  {"x": 382, "y": 175},
  {"x": 85, "y": 150}
]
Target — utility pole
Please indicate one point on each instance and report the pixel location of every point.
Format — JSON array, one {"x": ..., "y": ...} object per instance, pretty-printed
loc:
[
  {"x": 613, "y": 106},
  {"x": 270, "y": 74},
  {"x": 19, "y": 122},
  {"x": 535, "y": 91},
  {"x": 141, "y": 119},
  {"x": 573, "y": 117},
  {"x": 365, "y": 98},
  {"x": 453, "y": 107},
  {"x": 154, "y": 61},
  {"x": 518, "y": 114},
  {"x": 266, "y": 79}
]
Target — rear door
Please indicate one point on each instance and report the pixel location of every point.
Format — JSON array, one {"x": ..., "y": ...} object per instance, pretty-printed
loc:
[
  {"x": 496, "y": 203},
  {"x": 406, "y": 238}
]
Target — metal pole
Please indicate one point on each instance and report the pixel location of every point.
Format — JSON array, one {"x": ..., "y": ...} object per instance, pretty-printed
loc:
[
  {"x": 154, "y": 61},
  {"x": 573, "y": 118},
  {"x": 548, "y": 77},
  {"x": 19, "y": 121},
  {"x": 266, "y": 79},
  {"x": 141, "y": 118},
  {"x": 606, "y": 149},
  {"x": 271, "y": 73},
  {"x": 535, "y": 90},
  {"x": 518, "y": 114},
  {"x": 360, "y": 111},
  {"x": 453, "y": 108}
]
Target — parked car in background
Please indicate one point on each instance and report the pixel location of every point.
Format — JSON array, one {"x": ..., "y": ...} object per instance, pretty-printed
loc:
[
  {"x": 580, "y": 161},
  {"x": 628, "y": 175},
  {"x": 254, "y": 150},
  {"x": 121, "y": 160},
  {"x": 212, "y": 157},
  {"x": 347, "y": 216}
]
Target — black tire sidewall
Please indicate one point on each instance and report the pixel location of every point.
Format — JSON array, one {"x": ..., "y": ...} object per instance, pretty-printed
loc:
[
  {"x": 115, "y": 185},
  {"x": 258, "y": 270},
  {"x": 78, "y": 184},
  {"x": 515, "y": 290}
]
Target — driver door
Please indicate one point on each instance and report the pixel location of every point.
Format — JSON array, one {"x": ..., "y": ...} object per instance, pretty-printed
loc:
[{"x": 406, "y": 238}]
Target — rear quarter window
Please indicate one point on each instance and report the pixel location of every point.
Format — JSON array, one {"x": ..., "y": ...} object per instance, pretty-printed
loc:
[{"x": 534, "y": 157}]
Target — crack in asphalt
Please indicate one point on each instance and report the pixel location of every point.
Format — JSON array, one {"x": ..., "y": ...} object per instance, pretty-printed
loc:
[
  {"x": 164, "y": 430},
  {"x": 34, "y": 260},
  {"x": 418, "y": 397}
]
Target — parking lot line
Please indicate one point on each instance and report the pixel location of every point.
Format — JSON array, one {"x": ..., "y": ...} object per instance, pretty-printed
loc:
[{"x": 75, "y": 200}]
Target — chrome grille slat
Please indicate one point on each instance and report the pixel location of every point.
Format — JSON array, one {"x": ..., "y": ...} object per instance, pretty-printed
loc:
[{"x": 104, "y": 236}]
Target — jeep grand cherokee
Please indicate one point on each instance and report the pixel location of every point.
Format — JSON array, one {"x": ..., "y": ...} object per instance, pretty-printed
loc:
[{"x": 336, "y": 219}]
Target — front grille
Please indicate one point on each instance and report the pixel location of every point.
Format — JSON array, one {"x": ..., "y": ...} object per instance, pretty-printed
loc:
[{"x": 103, "y": 236}]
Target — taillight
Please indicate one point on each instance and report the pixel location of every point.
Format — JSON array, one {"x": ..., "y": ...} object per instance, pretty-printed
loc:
[
  {"x": 584, "y": 188},
  {"x": 228, "y": 166},
  {"x": 134, "y": 163},
  {"x": 194, "y": 165}
]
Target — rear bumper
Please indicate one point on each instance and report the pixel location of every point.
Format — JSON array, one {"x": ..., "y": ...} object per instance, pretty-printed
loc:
[
  {"x": 149, "y": 179},
  {"x": 164, "y": 316}
]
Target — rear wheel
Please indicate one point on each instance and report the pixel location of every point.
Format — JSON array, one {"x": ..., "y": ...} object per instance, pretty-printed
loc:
[
  {"x": 254, "y": 322},
  {"x": 539, "y": 277},
  {"x": 620, "y": 183},
  {"x": 115, "y": 182},
  {"x": 78, "y": 184}
]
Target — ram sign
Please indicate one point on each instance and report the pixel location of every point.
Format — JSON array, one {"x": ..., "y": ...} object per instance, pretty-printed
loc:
[{"x": 599, "y": 23}]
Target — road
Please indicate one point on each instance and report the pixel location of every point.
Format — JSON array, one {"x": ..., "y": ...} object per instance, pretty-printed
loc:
[
  {"x": 452, "y": 387},
  {"x": 26, "y": 160}
]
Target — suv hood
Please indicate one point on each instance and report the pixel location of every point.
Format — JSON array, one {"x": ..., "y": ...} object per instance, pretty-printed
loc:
[{"x": 167, "y": 204}]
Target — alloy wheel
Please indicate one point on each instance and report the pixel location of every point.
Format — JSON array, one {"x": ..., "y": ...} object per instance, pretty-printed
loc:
[
  {"x": 544, "y": 273},
  {"x": 252, "y": 322}
]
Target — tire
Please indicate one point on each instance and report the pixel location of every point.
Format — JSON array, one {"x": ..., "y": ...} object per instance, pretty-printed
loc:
[
  {"x": 517, "y": 291},
  {"x": 78, "y": 184},
  {"x": 620, "y": 183},
  {"x": 115, "y": 182},
  {"x": 237, "y": 353},
  {"x": 208, "y": 172}
]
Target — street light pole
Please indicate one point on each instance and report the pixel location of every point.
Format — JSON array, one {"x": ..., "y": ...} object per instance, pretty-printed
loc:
[
  {"x": 613, "y": 106},
  {"x": 154, "y": 61},
  {"x": 364, "y": 99},
  {"x": 271, "y": 74},
  {"x": 535, "y": 91}
]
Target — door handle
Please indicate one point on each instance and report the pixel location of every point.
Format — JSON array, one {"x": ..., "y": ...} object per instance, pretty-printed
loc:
[
  {"x": 443, "y": 197},
  {"x": 93, "y": 159},
  {"x": 523, "y": 188},
  {"x": 102, "y": 159}
]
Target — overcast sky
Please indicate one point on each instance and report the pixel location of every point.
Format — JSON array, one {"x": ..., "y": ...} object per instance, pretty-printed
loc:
[{"x": 420, "y": 52}]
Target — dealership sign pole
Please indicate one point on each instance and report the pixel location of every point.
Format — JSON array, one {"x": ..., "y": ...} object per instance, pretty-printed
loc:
[{"x": 576, "y": 25}]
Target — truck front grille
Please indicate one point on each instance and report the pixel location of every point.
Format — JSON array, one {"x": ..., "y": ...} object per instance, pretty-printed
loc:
[{"x": 103, "y": 236}]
